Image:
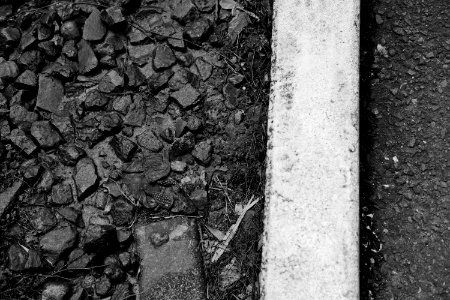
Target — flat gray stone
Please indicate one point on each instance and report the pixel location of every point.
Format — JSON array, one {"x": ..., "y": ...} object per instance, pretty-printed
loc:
[
  {"x": 94, "y": 30},
  {"x": 9, "y": 195},
  {"x": 50, "y": 94},
  {"x": 186, "y": 96},
  {"x": 171, "y": 267}
]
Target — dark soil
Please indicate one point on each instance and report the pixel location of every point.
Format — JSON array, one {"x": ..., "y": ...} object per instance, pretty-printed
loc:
[
  {"x": 404, "y": 136},
  {"x": 185, "y": 138}
]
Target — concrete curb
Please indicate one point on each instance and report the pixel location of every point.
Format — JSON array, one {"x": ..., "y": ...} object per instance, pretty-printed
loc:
[{"x": 311, "y": 217}]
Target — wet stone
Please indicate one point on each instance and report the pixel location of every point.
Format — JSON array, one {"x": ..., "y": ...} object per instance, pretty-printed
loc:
[
  {"x": 41, "y": 218},
  {"x": 50, "y": 94},
  {"x": 86, "y": 57},
  {"x": 111, "y": 82},
  {"x": 58, "y": 241},
  {"x": 186, "y": 96},
  {"x": 122, "y": 212},
  {"x": 123, "y": 147},
  {"x": 19, "y": 138},
  {"x": 163, "y": 57},
  {"x": 93, "y": 29},
  {"x": 45, "y": 134},
  {"x": 62, "y": 194},
  {"x": 86, "y": 177}
]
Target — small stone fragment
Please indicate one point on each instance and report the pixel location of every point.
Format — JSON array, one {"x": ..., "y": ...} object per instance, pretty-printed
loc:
[
  {"x": 122, "y": 212},
  {"x": 93, "y": 29},
  {"x": 70, "y": 214},
  {"x": 149, "y": 141},
  {"x": 113, "y": 17},
  {"x": 41, "y": 218},
  {"x": 103, "y": 286},
  {"x": 19, "y": 139},
  {"x": 156, "y": 166},
  {"x": 178, "y": 166},
  {"x": 158, "y": 80},
  {"x": 70, "y": 154},
  {"x": 58, "y": 241},
  {"x": 184, "y": 11},
  {"x": 46, "y": 182},
  {"x": 50, "y": 94},
  {"x": 11, "y": 35},
  {"x": 21, "y": 117},
  {"x": 200, "y": 198},
  {"x": 196, "y": 30},
  {"x": 111, "y": 82},
  {"x": 27, "y": 80},
  {"x": 95, "y": 100},
  {"x": 163, "y": 57},
  {"x": 100, "y": 239},
  {"x": 70, "y": 50},
  {"x": 55, "y": 291},
  {"x": 86, "y": 57},
  {"x": 8, "y": 70},
  {"x": 159, "y": 239},
  {"x": 45, "y": 134},
  {"x": 236, "y": 79},
  {"x": 186, "y": 96},
  {"x": 122, "y": 103},
  {"x": 9, "y": 195},
  {"x": 204, "y": 68},
  {"x": 205, "y": 5},
  {"x": 62, "y": 194},
  {"x": 86, "y": 177},
  {"x": 69, "y": 30},
  {"x": 123, "y": 147}
]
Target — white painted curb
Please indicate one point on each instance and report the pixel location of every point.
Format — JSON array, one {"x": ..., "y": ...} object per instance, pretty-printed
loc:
[{"x": 311, "y": 247}]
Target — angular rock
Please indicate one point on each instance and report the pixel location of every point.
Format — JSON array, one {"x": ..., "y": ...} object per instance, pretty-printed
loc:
[
  {"x": 11, "y": 35},
  {"x": 163, "y": 57},
  {"x": 123, "y": 147},
  {"x": 156, "y": 166},
  {"x": 100, "y": 239},
  {"x": 9, "y": 195},
  {"x": 176, "y": 39},
  {"x": 136, "y": 113},
  {"x": 141, "y": 54},
  {"x": 79, "y": 259},
  {"x": 86, "y": 177},
  {"x": 111, "y": 82},
  {"x": 30, "y": 170},
  {"x": 197, "y": 29},
  {"x": 58, "y": 241},
  {"x": 41, "y": 218},
  {"x": 182, "y": 145},
  {"x": 62, "y": 194},
  {"x": 103, "y": 286},
  {"x": 17, "y": 257},
  {"x": 122, "y": 212},
  {"x": 186, "y": 96},
  {"x": 70, "y": 50},
  {"x": 149, "y": 141},
  {"x": 184, "y": 11},
  {"x": 50, "y": 50},
  {"x": 135, "y": 76},
  {"x": 174, "y": 269},
  {"x": 70, "y": 154},
  {"x": 95, "y": 100},
  {"x": 21, "y": 117},
  {"x": 194, "y": 123},
  {"x": 86, "y": 57},
  {"x": 202, "y": 152},
  {"x": 122, "y": 103},
  {"x": 71, "y": 214},
  {"x": 27, "y": 80},
  {"x": 69, "y": 30},
  {"x": 50, "y": 94},
  {"x": 55, "y": 291},
  {"x": 205, "y": 5},
  {"x": 110, "y": 122},
  {"x": 113, "y": 17},
  {"x": 231, "y": 94},
  {"x": 45, "y": 134},
  {"x": 204, "y": 68},
  {"x": 158, "y": 80},
  {"x": 200, "y": 198},
  {"x": 19, "y": 138},
  {"x": 46, "y": 182},
  {"x": 32, "y": 60},
  {"x": 93, "y": 29},
  {"x": 178, "y": 166},
  {"x": 8, "y": 70}
]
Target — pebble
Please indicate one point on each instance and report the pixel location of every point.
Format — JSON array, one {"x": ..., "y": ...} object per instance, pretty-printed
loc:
[
  {"x": 113, "y": 17},
  {"x": 202, "y": 152},
  {"x": 58, "y": 241},
  {"x": 178, "y": 166},
  {"x": 27, "y": 80},
  {"x": 163, "y": 57},
  {"x": 156, "y": 166},
  {"x": 184, "y": 11},
  {"x": 111, "y": 82},
  {"x": 204, "y": 68},
  {"x": 62, "y": 194},
  {"x": 41, "y": 218},
  {"x": 87, "y": 61},
  {"x": 19, "y": 138},
  {"x": 200, "y": 198},
  {"x": 8, "y": 70},
  {"x": 103, "y": 286},
  {"x": 197, "y": 29},
  {"x": 123, "y": 147},
  {"x": 70, "y": 30}
]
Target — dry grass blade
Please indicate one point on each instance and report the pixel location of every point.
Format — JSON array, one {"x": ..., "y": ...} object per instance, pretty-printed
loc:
[{"x": 232, "y": 231}]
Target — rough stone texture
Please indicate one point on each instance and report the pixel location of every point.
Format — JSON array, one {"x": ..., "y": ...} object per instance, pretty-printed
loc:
[
  {"x": 86, "y": 57},
  {"x": 45, "y": 134},
  {"x": 27, "y": 80},
  {"x": 123, "y": 147},
  {"x": 100, "y": 239},
  {"x": 9, "y": 195},
  {"x": 173, "y": 269},
  {"x": 58, "y": 241},
  {"x": 51, "y": 92},
  {"x": 197, "y": 29},
  {"x": 8, "y": 70},
  {"x": 62, "y": 194},
  {"x": 86, "y": 177},
  {"x": 163, "y": 57},
  {"x": 55, "y": 291},
  {"x": 156, "y": 166},
  {"x": 310, "y": 243},
  {"x": 203, "y": 151},
  {"x": 111, "y": 82},
  {"x": 41, "y": 218},
  {"x": 122, "y": 212},
  {"x": 19, "y": 138},
  {"x": 186, "y": 96},
  {"x": 93, "y": 29}
]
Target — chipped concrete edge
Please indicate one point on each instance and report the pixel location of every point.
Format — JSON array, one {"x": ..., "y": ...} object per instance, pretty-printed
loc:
[{"x": 311, "y": 235}]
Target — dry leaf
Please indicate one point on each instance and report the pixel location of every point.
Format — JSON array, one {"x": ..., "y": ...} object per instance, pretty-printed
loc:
[{"x": 237, "y": 24}]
